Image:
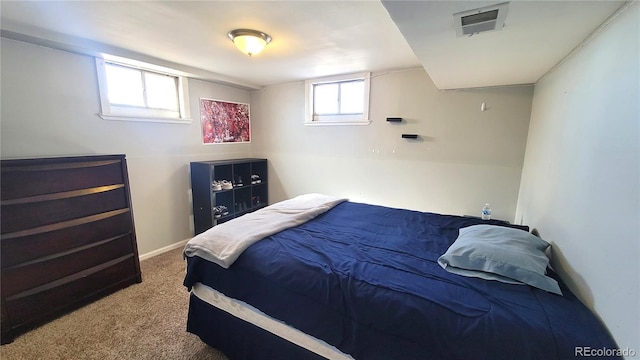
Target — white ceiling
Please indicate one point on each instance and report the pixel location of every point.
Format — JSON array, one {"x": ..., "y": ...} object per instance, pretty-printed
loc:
[
  {"x": 314, "y": 38},
  {"x": 536, "y": 36}
]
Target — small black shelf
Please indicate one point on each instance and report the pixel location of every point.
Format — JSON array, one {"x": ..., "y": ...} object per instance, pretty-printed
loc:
[
  {"x": 239, "y": 200},
  {"x": 409, "y": 136},
  {"x": 394, "y": 119}
]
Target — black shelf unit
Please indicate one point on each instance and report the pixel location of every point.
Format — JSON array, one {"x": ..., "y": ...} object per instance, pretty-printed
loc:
[{"x": 239, "y": 200}]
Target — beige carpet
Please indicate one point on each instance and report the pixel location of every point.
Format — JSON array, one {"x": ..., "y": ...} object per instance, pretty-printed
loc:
[{"x": 143, "y": 321}]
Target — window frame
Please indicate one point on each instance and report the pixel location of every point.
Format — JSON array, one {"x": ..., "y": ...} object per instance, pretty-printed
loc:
[
  {"x": 111, "y": 111},
  {"x": 337, "y": 119}
]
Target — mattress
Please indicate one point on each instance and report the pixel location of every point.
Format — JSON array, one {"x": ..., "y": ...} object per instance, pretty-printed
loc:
[
  {"x": 250, "y": 314},
  {"x": 365, "y": 280}
]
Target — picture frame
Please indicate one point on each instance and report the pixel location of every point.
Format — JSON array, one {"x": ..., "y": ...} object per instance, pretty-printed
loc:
[{"x": 224, "y": 121}]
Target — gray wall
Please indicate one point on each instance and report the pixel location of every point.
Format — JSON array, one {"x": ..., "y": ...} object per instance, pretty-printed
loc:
[
  {"x": 581, "y": 176},
  {"x": 50, "y": 104},
  {"x": 464, "y": 157}
]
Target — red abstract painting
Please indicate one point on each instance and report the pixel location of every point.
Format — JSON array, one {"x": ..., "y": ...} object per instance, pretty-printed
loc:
[{"x": 224, "y": 122}]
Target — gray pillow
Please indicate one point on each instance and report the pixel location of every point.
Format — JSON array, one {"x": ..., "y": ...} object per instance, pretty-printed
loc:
[{"x": 500, "y": 253}]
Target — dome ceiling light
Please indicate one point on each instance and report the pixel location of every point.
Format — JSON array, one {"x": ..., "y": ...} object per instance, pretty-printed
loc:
[{"x": 249, "y": 41}]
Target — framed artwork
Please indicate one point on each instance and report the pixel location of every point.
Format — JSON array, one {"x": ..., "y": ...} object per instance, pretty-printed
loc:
[{"x": 224, "y": 122}]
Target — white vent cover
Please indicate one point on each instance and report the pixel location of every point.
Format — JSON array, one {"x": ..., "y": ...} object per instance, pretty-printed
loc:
[{"x": 475, "y": 21}]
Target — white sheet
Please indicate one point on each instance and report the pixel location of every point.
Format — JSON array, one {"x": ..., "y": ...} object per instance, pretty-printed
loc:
[
  {"x": 254, "y": 316},
  {"x": 223, "y": 244}
]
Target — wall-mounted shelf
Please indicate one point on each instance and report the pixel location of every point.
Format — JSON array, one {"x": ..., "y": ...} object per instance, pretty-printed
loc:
[
  {"x": 409, "y": 136},
  {"x": 394, "y": 119}
]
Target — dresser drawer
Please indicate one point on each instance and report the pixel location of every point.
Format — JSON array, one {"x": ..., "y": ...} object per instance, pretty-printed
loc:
[
  {"x": 30, "y": 275},
  {"x": 68, "y": 294},
  {"x": 22, "y": 247},
  {"x": 41, "y": 212},
  {"x": 37, "y": 178}
]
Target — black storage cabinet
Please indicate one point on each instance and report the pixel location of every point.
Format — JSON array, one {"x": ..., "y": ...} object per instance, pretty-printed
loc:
[{"x": 239, "y": 200}]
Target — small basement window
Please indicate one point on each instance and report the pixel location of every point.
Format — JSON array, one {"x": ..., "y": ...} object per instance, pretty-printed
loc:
[
  {"x": 133, "y": 92},
  {"x": 339, "y": 100}
]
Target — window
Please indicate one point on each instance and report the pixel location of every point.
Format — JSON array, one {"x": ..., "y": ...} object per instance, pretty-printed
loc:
[
  {"x": 132, "y": 92},
  {"x": 340, "y": 100}
]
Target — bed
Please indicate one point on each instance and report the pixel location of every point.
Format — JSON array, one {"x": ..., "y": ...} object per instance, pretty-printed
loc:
[{"x": 358, "y": 281}]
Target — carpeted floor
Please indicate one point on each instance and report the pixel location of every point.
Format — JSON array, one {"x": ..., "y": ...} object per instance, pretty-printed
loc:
[{"x": 143, "y": 321}]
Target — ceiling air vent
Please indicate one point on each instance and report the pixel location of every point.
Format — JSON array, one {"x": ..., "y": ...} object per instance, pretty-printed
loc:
[{"x": 488, "y": 18}]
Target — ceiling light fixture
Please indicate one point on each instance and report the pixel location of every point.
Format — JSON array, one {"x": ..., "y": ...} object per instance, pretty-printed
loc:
[{"x": 249, "y": 41}]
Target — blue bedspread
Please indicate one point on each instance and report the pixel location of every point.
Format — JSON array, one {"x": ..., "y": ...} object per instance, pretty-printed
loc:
[{"x": 365, "y": 279}]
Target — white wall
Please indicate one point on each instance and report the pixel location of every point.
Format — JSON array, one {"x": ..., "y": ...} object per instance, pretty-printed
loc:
[
  {"x": 464, "y": 158},
  {"x": 50, "y": 104},
  {"x": 581, "y": 176},
  {"x": 49, "y": 108}
]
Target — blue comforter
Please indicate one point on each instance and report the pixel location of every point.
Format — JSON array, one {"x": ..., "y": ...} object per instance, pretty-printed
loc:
[{"x": 365, "y": 279}]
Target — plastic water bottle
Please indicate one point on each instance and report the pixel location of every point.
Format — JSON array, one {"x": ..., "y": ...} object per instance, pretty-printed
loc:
[{"x": 486, "y": 212}]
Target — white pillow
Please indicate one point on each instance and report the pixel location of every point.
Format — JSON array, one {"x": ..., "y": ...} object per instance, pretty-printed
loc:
[{"x": 500, "y": 253}]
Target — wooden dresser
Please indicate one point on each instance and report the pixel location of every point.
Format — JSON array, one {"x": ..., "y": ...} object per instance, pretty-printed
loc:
[{"x": 67, "y": 236}]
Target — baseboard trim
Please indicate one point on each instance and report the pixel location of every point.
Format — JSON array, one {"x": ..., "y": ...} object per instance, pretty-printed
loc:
[{"x": 163, "y": 250}]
